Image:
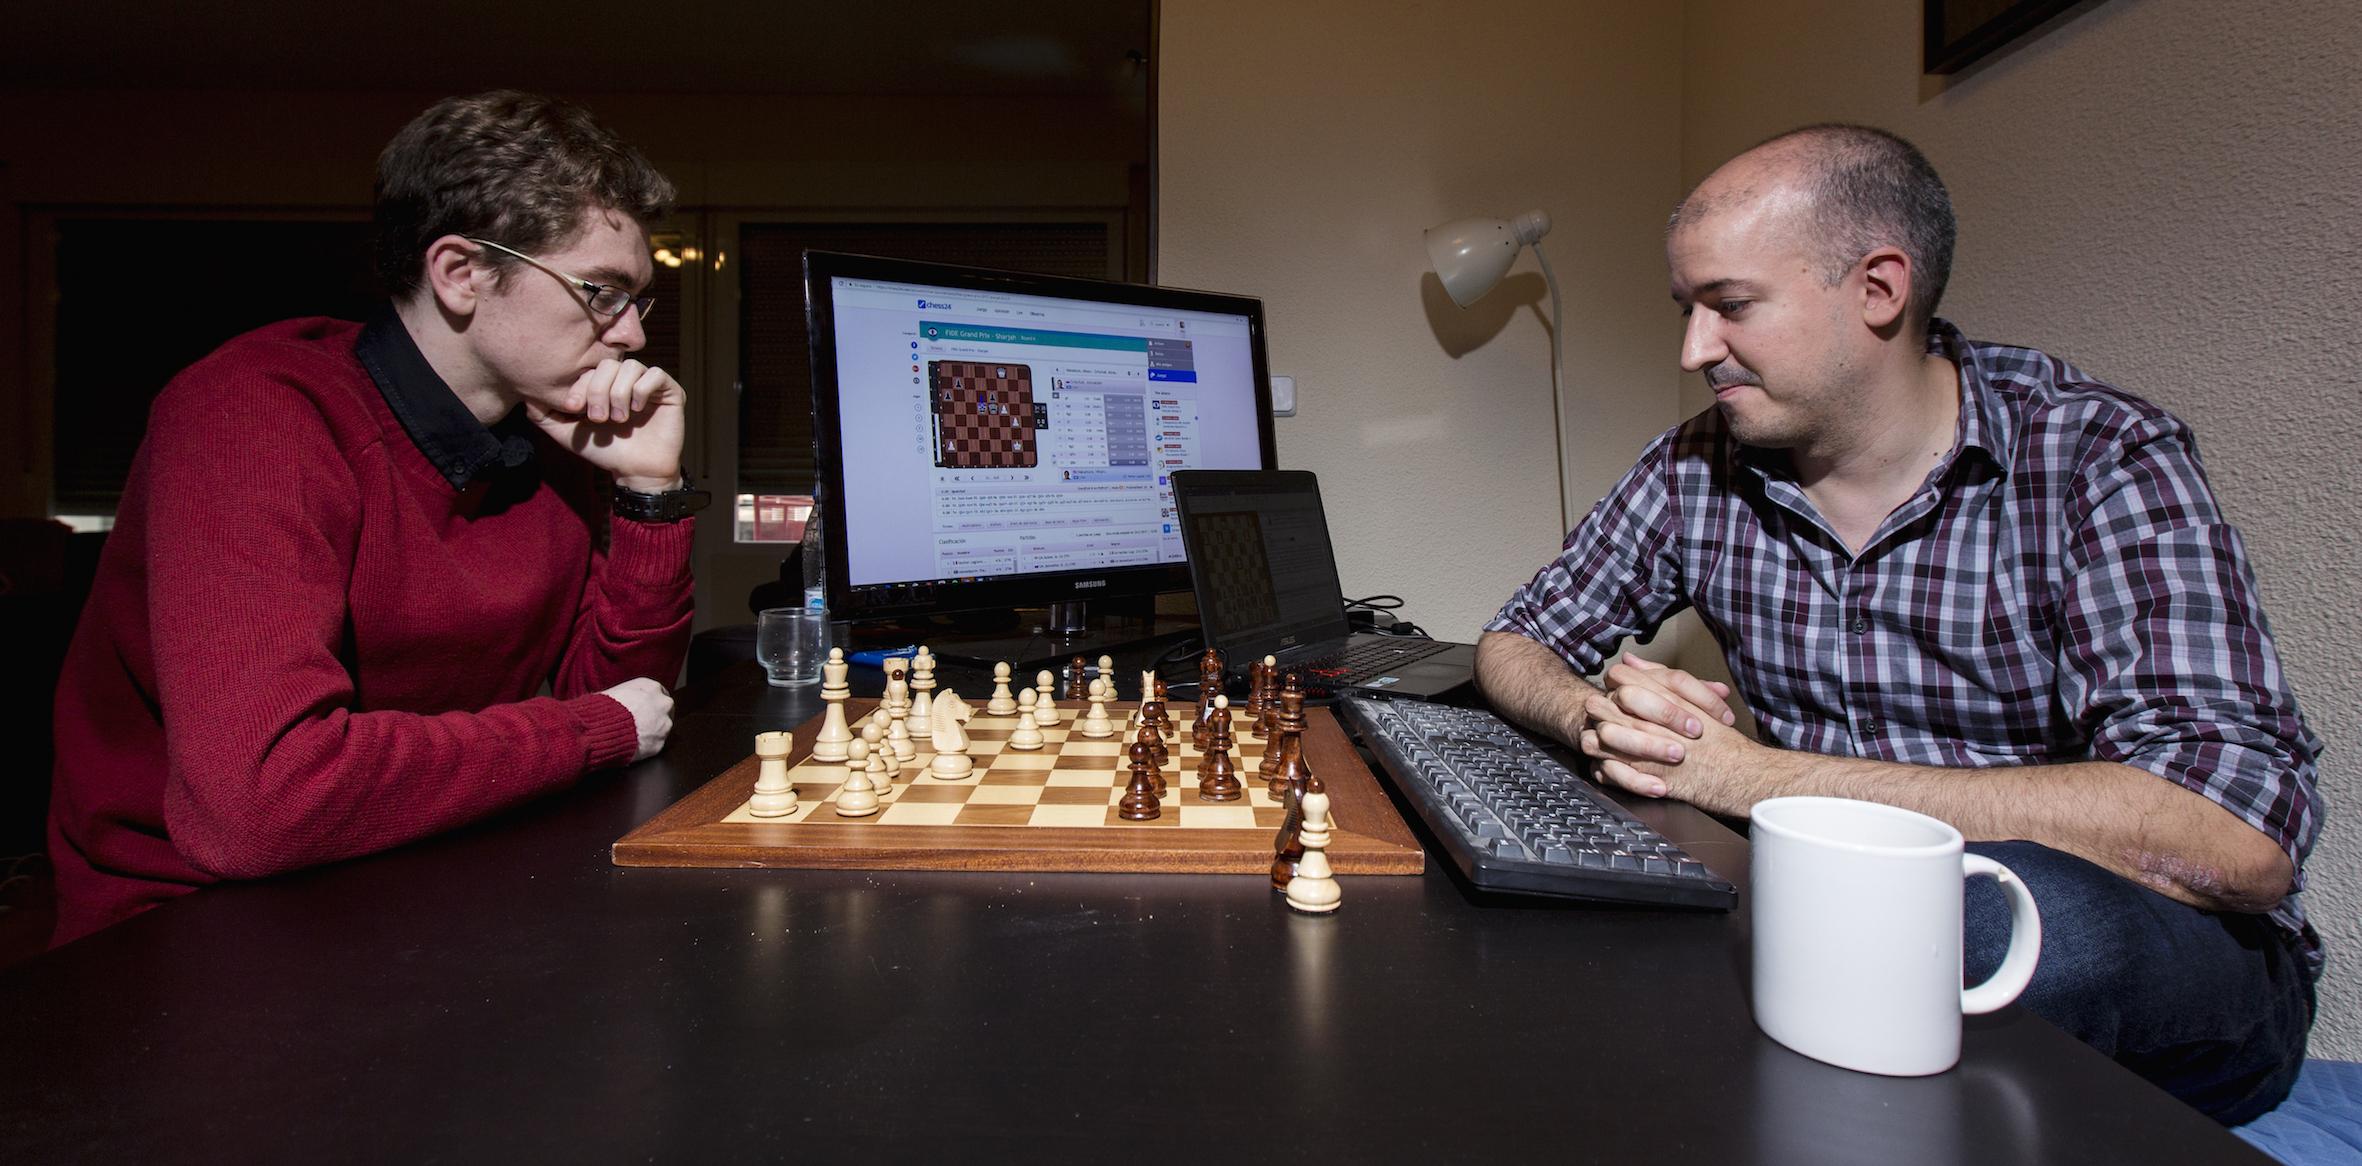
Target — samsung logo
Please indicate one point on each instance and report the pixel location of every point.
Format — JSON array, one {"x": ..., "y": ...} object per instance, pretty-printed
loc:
[{"x": 1087, "y": 584}]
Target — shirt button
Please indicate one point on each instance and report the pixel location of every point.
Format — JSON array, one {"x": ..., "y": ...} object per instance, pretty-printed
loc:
[
  {"x": 1861, "y": 624},
  {"x": 1870, "y": 728}
]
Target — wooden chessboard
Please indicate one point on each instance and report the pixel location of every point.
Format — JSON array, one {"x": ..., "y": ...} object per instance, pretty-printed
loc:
[{"x": 1051, "y": 809}]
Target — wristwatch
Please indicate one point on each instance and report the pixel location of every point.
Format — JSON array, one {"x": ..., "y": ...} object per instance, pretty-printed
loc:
[{"x": 663, "y": 506}]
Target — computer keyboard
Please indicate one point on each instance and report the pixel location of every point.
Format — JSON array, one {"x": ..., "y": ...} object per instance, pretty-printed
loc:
[{"x": 1513, "y": 818}]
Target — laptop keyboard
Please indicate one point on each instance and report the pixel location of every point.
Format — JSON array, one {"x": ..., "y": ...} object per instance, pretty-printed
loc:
[{"x": 1362, "y": 661}]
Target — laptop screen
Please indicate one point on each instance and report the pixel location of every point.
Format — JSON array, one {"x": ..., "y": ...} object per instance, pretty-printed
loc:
[{"x": 1260, "y": 559}]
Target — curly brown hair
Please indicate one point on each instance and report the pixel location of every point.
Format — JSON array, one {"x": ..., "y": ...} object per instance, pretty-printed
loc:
[{"x": 512, "y": 167}]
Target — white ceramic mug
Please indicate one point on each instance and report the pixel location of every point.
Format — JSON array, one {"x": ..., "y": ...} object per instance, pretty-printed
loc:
[{"x": 1856, "y": 917}]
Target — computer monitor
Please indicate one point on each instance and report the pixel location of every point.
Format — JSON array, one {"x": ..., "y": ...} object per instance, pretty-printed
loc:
[{"x": 994, "y": 440}]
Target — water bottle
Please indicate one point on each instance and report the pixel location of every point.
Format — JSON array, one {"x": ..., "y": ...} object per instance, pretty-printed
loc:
[{"x": 813, "y": 553}]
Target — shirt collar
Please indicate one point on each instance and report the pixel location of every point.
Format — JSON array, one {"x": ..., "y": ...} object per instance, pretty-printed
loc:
[
  {"x": 1984, "y": 417},
  {"x": 460, "y": 447}
]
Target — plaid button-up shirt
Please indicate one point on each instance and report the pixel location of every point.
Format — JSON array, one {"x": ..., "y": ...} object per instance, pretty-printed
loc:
[{"x": 2061, "y": 588}]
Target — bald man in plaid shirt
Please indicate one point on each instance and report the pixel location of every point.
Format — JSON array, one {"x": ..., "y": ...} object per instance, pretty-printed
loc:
[{"x": 1958, "y": 577}]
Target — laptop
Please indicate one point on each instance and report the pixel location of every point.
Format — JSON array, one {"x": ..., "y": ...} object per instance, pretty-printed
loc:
[{"x": 1265, "y": 575}]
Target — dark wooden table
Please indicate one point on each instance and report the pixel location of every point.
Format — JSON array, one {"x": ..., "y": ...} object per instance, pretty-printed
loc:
[{"x": 504, "y": 992}]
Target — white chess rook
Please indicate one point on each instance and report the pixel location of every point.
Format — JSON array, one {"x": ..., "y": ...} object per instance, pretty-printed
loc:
[{"x": 774, "y": 796}]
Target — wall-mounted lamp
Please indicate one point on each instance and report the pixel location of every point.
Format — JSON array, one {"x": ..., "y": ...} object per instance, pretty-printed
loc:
[{"x": 1471, "y": 256}]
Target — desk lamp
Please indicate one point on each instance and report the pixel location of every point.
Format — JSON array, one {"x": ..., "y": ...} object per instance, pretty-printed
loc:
[{"x": 1470, "y": 256}]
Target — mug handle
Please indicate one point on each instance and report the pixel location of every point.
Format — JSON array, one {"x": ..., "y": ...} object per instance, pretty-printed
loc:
[{"x": 2025, "y": 939}]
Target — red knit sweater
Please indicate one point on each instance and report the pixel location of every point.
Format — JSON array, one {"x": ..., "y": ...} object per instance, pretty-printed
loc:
[{"x": 303, "y": 644}]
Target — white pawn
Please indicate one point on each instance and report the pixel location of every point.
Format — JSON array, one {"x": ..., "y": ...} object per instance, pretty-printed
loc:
[
  {"x": 1314, "y": 889},
  {"x": 880, "y": 753},
  {"x": 1001, "y": 704},
  {"x": 1107, "y": 673},
  {"x": 1028, "y": 735},
  {"x": 858, "y": 799},
  {"x": 881, "y": 771},
  {"x": 898, "y": 738},
  {"x": 922, "y": 671},
  {"x": 1045, "y": 705},
  {"x": 775, "y": 796},
  {"x": 1095, "y": 723},
  {"x": 951, "y": 751}
]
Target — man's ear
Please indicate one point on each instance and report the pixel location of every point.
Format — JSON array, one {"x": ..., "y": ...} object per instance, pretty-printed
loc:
[
  {"x": 1886, "y": 286},
  {"x": 453, "y": 277}
]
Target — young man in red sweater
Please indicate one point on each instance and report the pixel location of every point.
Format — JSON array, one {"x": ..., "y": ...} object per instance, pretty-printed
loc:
[{"x": 365, "y": 583}]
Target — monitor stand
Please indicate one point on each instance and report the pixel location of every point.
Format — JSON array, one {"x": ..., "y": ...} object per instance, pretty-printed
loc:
[{"x": 1035, "y": 640}]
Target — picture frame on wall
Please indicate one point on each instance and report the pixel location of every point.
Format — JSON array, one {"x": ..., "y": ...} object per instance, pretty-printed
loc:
[{"x": 1957, "y": 33}]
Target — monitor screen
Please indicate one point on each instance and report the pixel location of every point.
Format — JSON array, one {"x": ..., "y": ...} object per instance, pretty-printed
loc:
[{"x": 991, "y": 439}]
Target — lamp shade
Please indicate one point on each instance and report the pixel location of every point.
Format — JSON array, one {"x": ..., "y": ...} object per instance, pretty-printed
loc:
[{"x": 1471, "y": 255}]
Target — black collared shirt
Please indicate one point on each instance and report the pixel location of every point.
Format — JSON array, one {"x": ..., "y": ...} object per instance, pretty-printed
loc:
[{"x": 454, "y": 442}]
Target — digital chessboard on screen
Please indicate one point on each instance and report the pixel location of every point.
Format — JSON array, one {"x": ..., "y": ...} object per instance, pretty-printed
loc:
[
  {"x": 985, "y": 415},
  {"x": 1051, "y": 809}
]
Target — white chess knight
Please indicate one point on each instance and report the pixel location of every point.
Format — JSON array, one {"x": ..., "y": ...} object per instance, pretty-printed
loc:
[
  {"x": 774, "y": 796},
  {"x": 1002, "y": 703},
  {"x": 951, "y": 750}
]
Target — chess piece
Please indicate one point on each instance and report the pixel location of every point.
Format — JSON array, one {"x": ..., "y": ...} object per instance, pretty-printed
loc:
[
  {"x": 1217, "y": 774},
  {"x": 1314, "y": 889},
  {"x": 1140, "y": 797},
  {"x": 1095, "y": 723},
  {"x": 858, "y": 798},
  {"x": 922, "y": 670},
  {"x": 922, "y": 711},
  {"x": 879, "y": 751},
  {"x": 1274, "y": 747},
  {"x": 898, "y": 738},
  {"x": 774, "y": 797},
  {"x": 882, "y": 771},
  {"x": 1205, "y": 717},
  {"x": 1027, "y": 737},
  {"x": 1045, "y": 710},
  {"x": 951, "y": 750},
  {"x": 1155, "y": 744},
  {"x": 1078, "y": 672},
  {"x": 1164, "y": 710},
  {"x": 1296, "y": 783},
  {"x": 829, "y": 743},
  {"x": 1001, "y": 704},
  {"x": 1107, "y": 674}
]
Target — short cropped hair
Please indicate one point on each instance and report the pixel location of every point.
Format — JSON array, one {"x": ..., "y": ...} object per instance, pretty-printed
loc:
[
  {"x": 512, "y": 167},
  {"x": 1869, "y": 189}
]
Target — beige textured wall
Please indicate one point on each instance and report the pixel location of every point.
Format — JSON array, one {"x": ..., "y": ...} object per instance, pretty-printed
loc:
[
  {"x": 1304, "y": 146},
  {"x": 2166, "y": 193},
  {"x": 2163, "y": 190}
]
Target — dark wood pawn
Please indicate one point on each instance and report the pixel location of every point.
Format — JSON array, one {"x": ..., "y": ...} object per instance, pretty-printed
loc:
[
  {"x": 1078, "y": 680},
  {"x": 1140, "y": 797},
  {"x": 1158, "y": 755},
  {"x": 1217, "y": 775}
]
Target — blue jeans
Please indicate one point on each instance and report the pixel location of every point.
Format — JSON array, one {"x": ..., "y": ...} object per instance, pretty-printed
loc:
[{"x": 2211, "y": 1007}]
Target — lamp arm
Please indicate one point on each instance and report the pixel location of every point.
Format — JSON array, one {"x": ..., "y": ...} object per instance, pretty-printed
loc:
[{"x": 1557, "y": 385}]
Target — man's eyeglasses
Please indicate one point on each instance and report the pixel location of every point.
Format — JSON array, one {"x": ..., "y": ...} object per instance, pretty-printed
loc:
[{"x": 605, "y": 298}]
